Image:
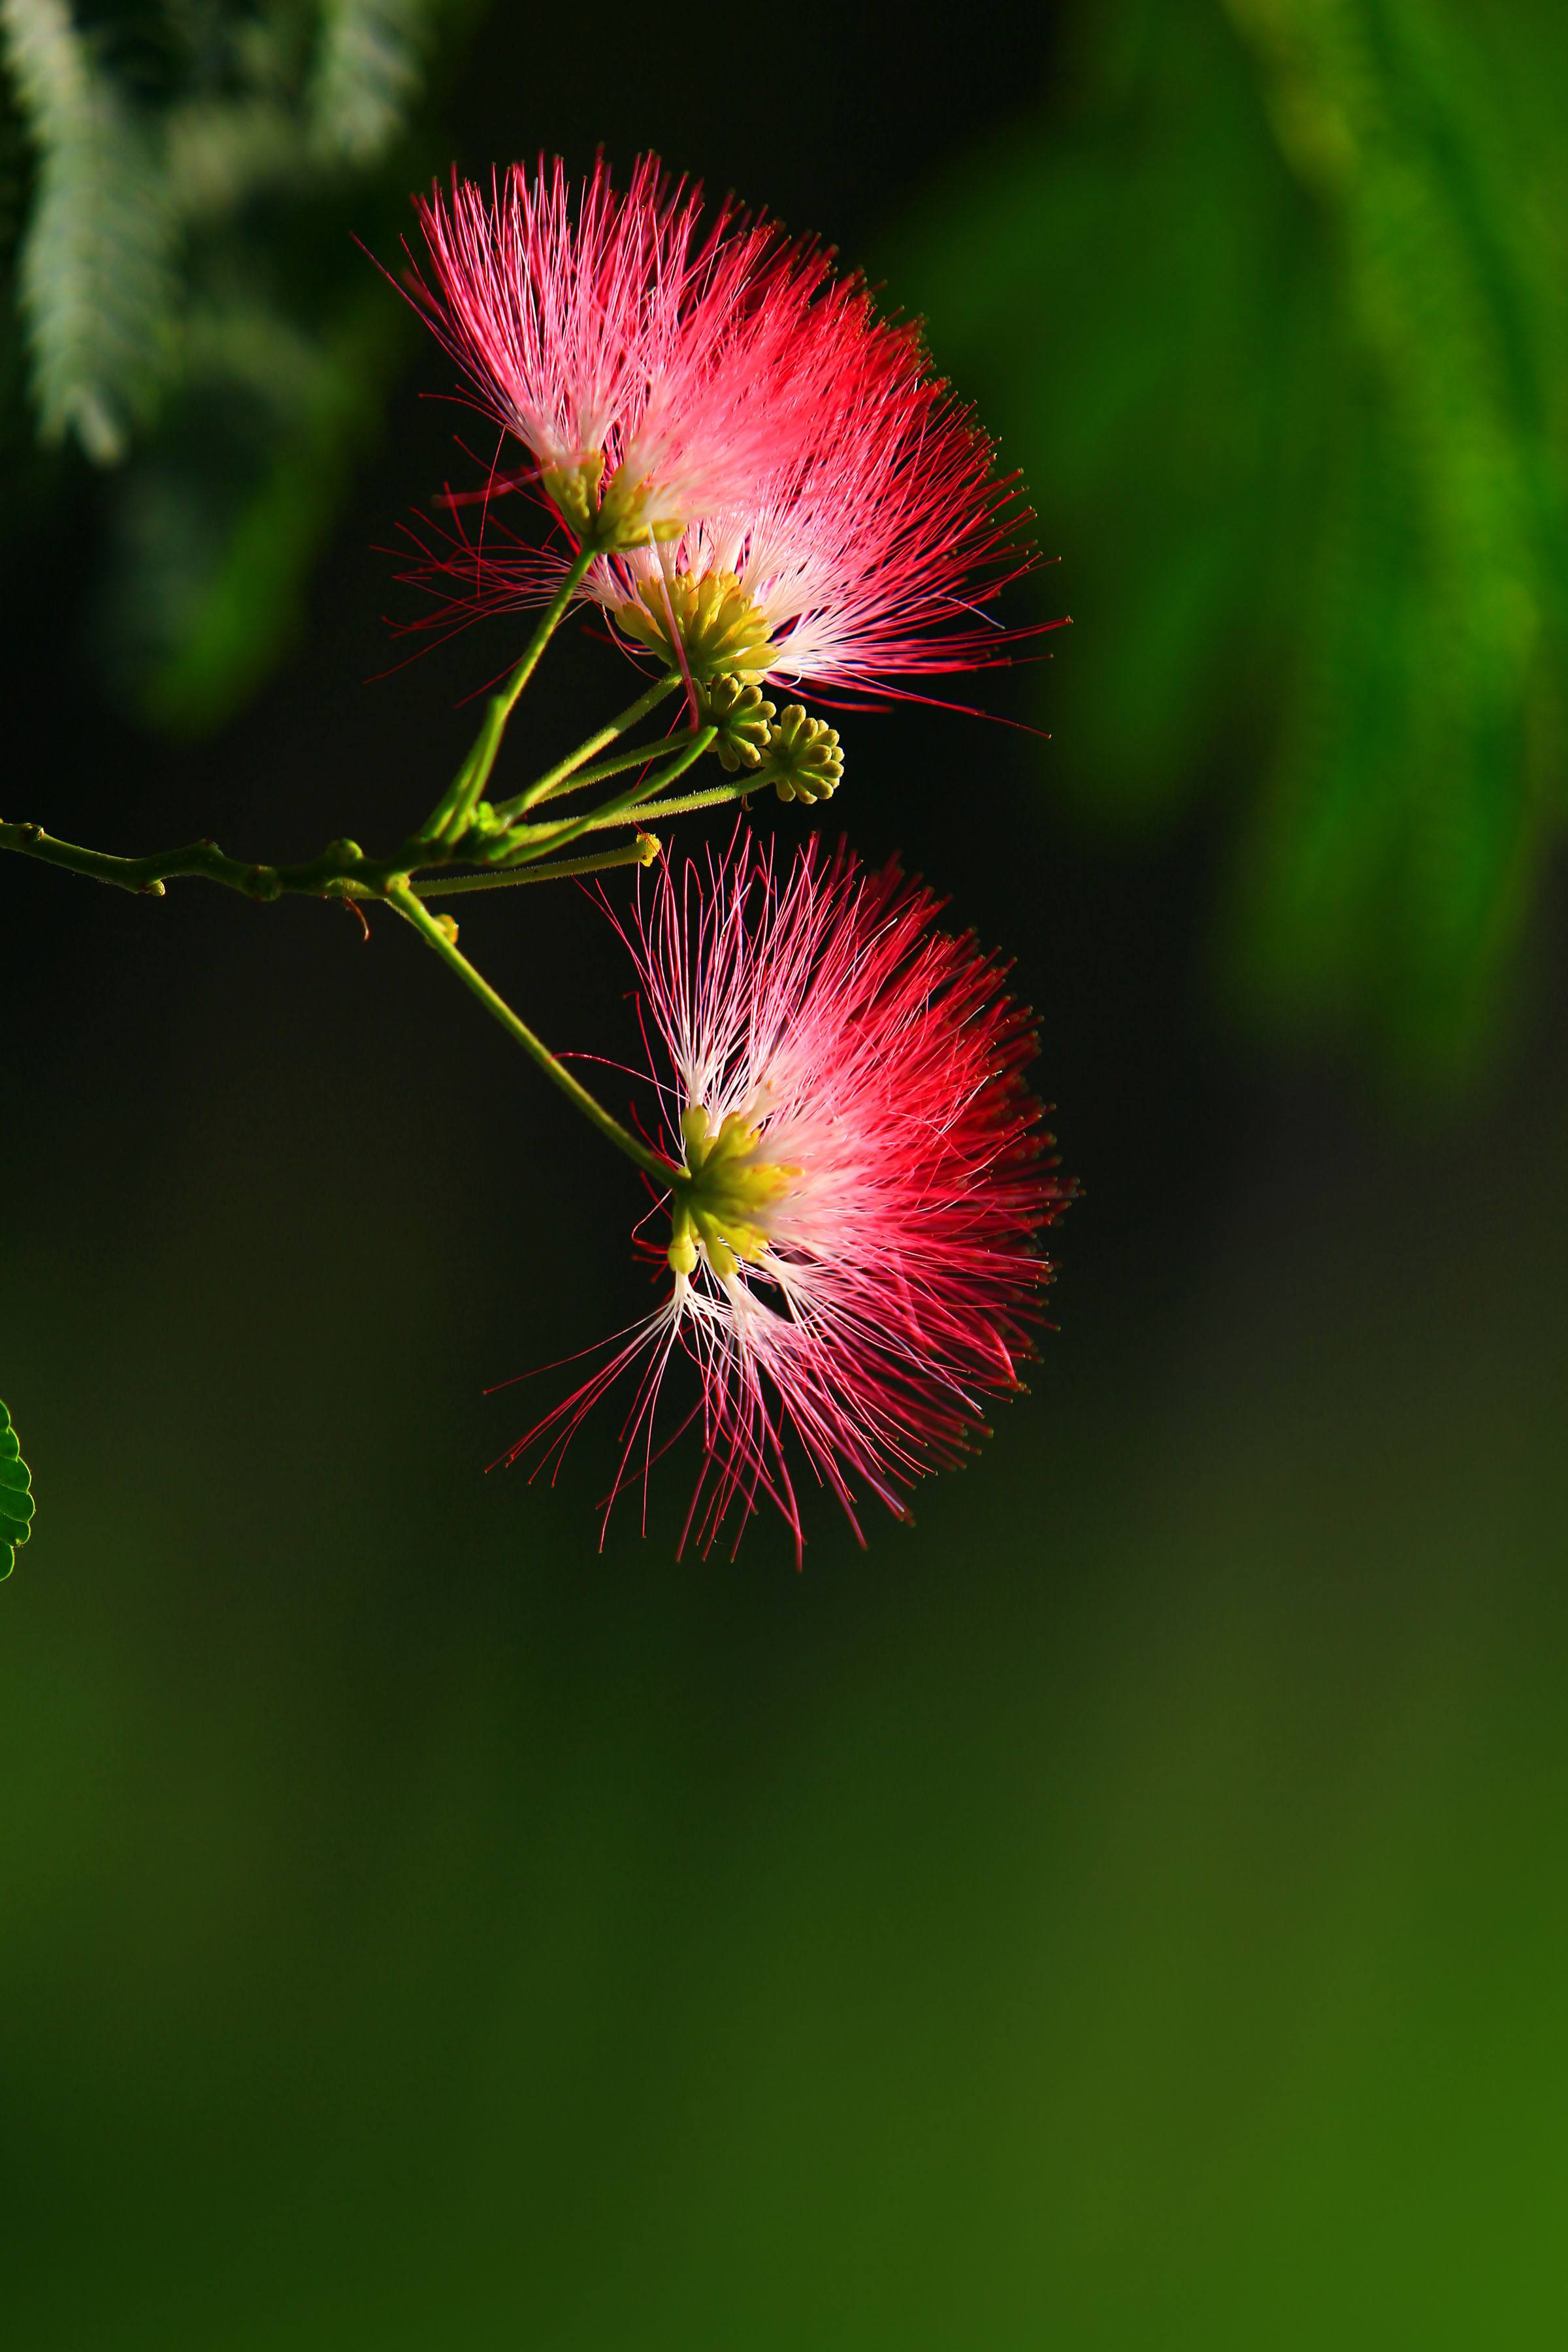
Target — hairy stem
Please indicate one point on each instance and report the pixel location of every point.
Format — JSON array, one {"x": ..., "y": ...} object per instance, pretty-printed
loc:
[
  {"x": 433, "y": 933},
  {"x": 637, "y": 755},
  {"x": 647, "y": 847},
  {"x": 683, "y": 805},
  {"x": 546, "y": 838},
  {"x": 554, "y": 779}
]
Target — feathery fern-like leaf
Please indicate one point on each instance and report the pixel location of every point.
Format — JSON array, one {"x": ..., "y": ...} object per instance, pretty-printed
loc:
[
  {"x": 15, "y": 1497},
  {"x": 370, "y": 69},
  {"x": 97, "y": 287}
]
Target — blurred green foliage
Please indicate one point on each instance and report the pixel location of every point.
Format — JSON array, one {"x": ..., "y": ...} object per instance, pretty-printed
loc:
[
  {"x": 1122, "y": 1913},
  {"x": 180, "y": 185},
  {"x": 1272, "y": 310}
]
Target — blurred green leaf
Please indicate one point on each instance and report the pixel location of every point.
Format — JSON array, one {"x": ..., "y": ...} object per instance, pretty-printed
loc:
[
  {"x": 369, "y": 71},
  {"x": 15, "y": 1497},
  {"x": 200, "y": 315},
  {"x": 97, "y": 285},
  {"x": 1273, "y": 313},
  {"x": 223, "y": 522}
]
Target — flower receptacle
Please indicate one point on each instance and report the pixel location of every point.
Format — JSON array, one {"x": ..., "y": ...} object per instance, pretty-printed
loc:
[
  {"x": 606, "y": 515},
  {"x": 723, "y": 1193},
  {"x": 717, "y": 629}
]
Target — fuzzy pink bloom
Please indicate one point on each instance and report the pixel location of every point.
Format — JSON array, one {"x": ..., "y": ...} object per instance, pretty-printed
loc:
[
  {"x": 607, "y": 331},
  {"x": 869, "y": 1272},
  {"x": 790, "y": 438},
  {"x": 870, "y": 551}
]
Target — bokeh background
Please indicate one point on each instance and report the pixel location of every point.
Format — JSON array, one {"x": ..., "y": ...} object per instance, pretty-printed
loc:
[{"x": 1128, "y": 1909}]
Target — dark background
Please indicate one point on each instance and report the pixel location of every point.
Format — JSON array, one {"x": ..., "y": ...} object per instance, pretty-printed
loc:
[{"x": 1126, "y": 1909}]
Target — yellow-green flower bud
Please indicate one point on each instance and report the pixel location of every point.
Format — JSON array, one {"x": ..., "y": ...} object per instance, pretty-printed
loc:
[
  {"x": 742, "y": 718},
  {"x": 803, "y": 761}
]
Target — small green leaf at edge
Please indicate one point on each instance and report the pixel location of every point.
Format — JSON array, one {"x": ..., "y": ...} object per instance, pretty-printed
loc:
[{"x": 15, "y": 1497}]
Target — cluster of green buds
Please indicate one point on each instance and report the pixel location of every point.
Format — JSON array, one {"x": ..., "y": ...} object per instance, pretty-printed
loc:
[
  {"x": 734, "y": 706},
  {"x": 798, "y": 755},
  {"x": 724, "y": 1194},
  {"x": 803, "y": 761}
]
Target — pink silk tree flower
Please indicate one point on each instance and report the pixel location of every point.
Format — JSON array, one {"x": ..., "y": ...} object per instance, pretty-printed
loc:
[
  {"x": 853, "y": 1257},
  {"x": 867, "y": 556},
  {"x": 650, "y": 371},
  {"x": 789, "y": 495}
]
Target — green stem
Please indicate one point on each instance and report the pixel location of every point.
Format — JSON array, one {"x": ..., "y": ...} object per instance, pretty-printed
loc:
[
  {"x": 451, "y": 813},
  {"x": 684, "y": 804},
  {"x": 638, "y": 755},
  {"x": 434, "y": 934},
  {"x": 642, "y": 852},
  {"x": 554, "y": 778},
  {"x": 546, "y": 838},
  {"x": 342, "y": 870}
]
